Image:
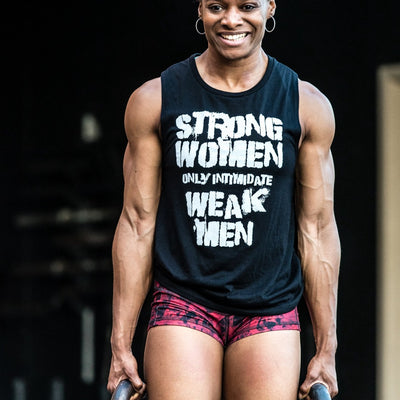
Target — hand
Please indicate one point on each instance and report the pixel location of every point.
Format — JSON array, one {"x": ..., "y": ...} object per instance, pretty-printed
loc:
[
  {"x": 320, "y": 369},
  {"x": 124, "y": 366}
]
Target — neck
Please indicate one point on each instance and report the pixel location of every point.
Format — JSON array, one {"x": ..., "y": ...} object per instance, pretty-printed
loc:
[{"x": 232, "y": 75}]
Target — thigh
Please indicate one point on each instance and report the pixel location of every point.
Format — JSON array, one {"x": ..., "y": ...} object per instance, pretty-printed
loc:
[
  {"x": 181, "y": 363},
  {"x": 263, "y": 366}
]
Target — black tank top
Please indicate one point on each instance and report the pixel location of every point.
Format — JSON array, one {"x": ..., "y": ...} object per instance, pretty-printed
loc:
[{"x": 225, "y": 233}]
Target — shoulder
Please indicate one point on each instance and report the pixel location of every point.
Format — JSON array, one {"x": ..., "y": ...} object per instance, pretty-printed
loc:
[
  {"x": 146, "y": 98},
  {"x": 316, "y": 114},
  {"x": 143, "y": 109}
]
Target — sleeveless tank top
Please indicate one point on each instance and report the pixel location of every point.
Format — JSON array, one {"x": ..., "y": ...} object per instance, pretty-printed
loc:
[{"x": 225, "y": 232}]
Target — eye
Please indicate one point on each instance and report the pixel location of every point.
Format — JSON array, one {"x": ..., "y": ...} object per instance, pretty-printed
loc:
[
  {"x": 215, "y": 7},
  {"x": 249, "y": 7}
]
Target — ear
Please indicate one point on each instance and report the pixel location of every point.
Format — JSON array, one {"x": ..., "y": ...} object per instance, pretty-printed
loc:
[
  {"x": 271, "y": 8},
  {"x": 199, "y": 8}
]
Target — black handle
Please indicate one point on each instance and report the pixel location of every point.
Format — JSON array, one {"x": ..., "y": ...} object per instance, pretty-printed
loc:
[
  {"x": 124, "y": 391},
  {"x": 319, "y": 391}
]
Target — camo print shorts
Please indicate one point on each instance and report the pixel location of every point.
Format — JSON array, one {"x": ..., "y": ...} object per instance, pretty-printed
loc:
[{"x": 169, "y": 308}]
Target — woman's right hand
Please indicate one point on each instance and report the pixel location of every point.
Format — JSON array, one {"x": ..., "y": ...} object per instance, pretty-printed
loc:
[{"x": 124, "y": 366}]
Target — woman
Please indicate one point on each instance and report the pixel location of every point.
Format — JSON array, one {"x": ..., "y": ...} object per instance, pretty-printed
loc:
[{"x": 228, "y": 154}]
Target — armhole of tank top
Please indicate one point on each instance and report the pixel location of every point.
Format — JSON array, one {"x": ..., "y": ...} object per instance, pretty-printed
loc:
[
  {"x": 162, "y": 77},
  {"x": 297, "y": 107}
]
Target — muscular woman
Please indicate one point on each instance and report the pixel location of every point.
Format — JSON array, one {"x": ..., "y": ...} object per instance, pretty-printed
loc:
[{"x": 228, "y": 217}]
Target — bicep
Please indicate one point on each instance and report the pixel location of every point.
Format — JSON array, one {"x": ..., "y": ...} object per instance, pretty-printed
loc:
[
  {"x": 315, "y": 168},
  {"x": 142, "y": 159}
]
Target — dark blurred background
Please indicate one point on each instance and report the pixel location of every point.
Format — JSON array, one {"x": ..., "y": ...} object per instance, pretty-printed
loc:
[{"x": 68, "y": 71}]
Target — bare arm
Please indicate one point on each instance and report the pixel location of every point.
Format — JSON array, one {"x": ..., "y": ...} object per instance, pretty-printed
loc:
[
  {"x": 318, "y": 239},
  {"x": 133, "y": 241}
]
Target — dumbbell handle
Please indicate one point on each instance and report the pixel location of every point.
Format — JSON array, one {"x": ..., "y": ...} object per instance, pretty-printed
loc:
[
  {"x": 319, "y": 391},
  {"x": 124, "y": 391}
]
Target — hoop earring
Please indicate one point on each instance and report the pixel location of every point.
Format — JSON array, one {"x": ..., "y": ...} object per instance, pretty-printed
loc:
[
  {"x": 197, "y": 27},
  {"x": 273, "y": 27}
]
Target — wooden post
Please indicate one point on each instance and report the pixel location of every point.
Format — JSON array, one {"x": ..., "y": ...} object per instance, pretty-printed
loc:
[{"x": 388, "y": 233}]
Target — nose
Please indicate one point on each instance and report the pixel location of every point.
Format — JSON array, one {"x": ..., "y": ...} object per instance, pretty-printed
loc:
[{"x": 232, "y": 18}]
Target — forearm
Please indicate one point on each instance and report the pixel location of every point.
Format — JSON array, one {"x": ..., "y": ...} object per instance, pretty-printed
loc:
[
  {"x": 319, "y": 249},
  {"x": 318, "y": 239},
  {"x": 132, "y": 265}
]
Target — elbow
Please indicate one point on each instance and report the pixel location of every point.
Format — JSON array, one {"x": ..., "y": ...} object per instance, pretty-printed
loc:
[
  {"x": 319, "y": 243},
  {"x": 314, "y": 224},
  {"x": 140, "y": 223}
]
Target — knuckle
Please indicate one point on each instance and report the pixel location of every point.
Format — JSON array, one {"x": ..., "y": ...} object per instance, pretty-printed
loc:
[{"x": 110, "y": 387}]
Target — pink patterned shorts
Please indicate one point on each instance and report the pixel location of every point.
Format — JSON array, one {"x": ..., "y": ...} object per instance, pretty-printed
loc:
[{"x": 168, "y": 308}]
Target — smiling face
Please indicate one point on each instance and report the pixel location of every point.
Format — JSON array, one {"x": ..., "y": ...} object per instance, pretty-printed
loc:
[{"x": 235, "y": 28}]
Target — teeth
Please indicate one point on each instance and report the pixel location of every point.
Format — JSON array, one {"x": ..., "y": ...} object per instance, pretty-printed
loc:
[{"x": 234, "y": 37}]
